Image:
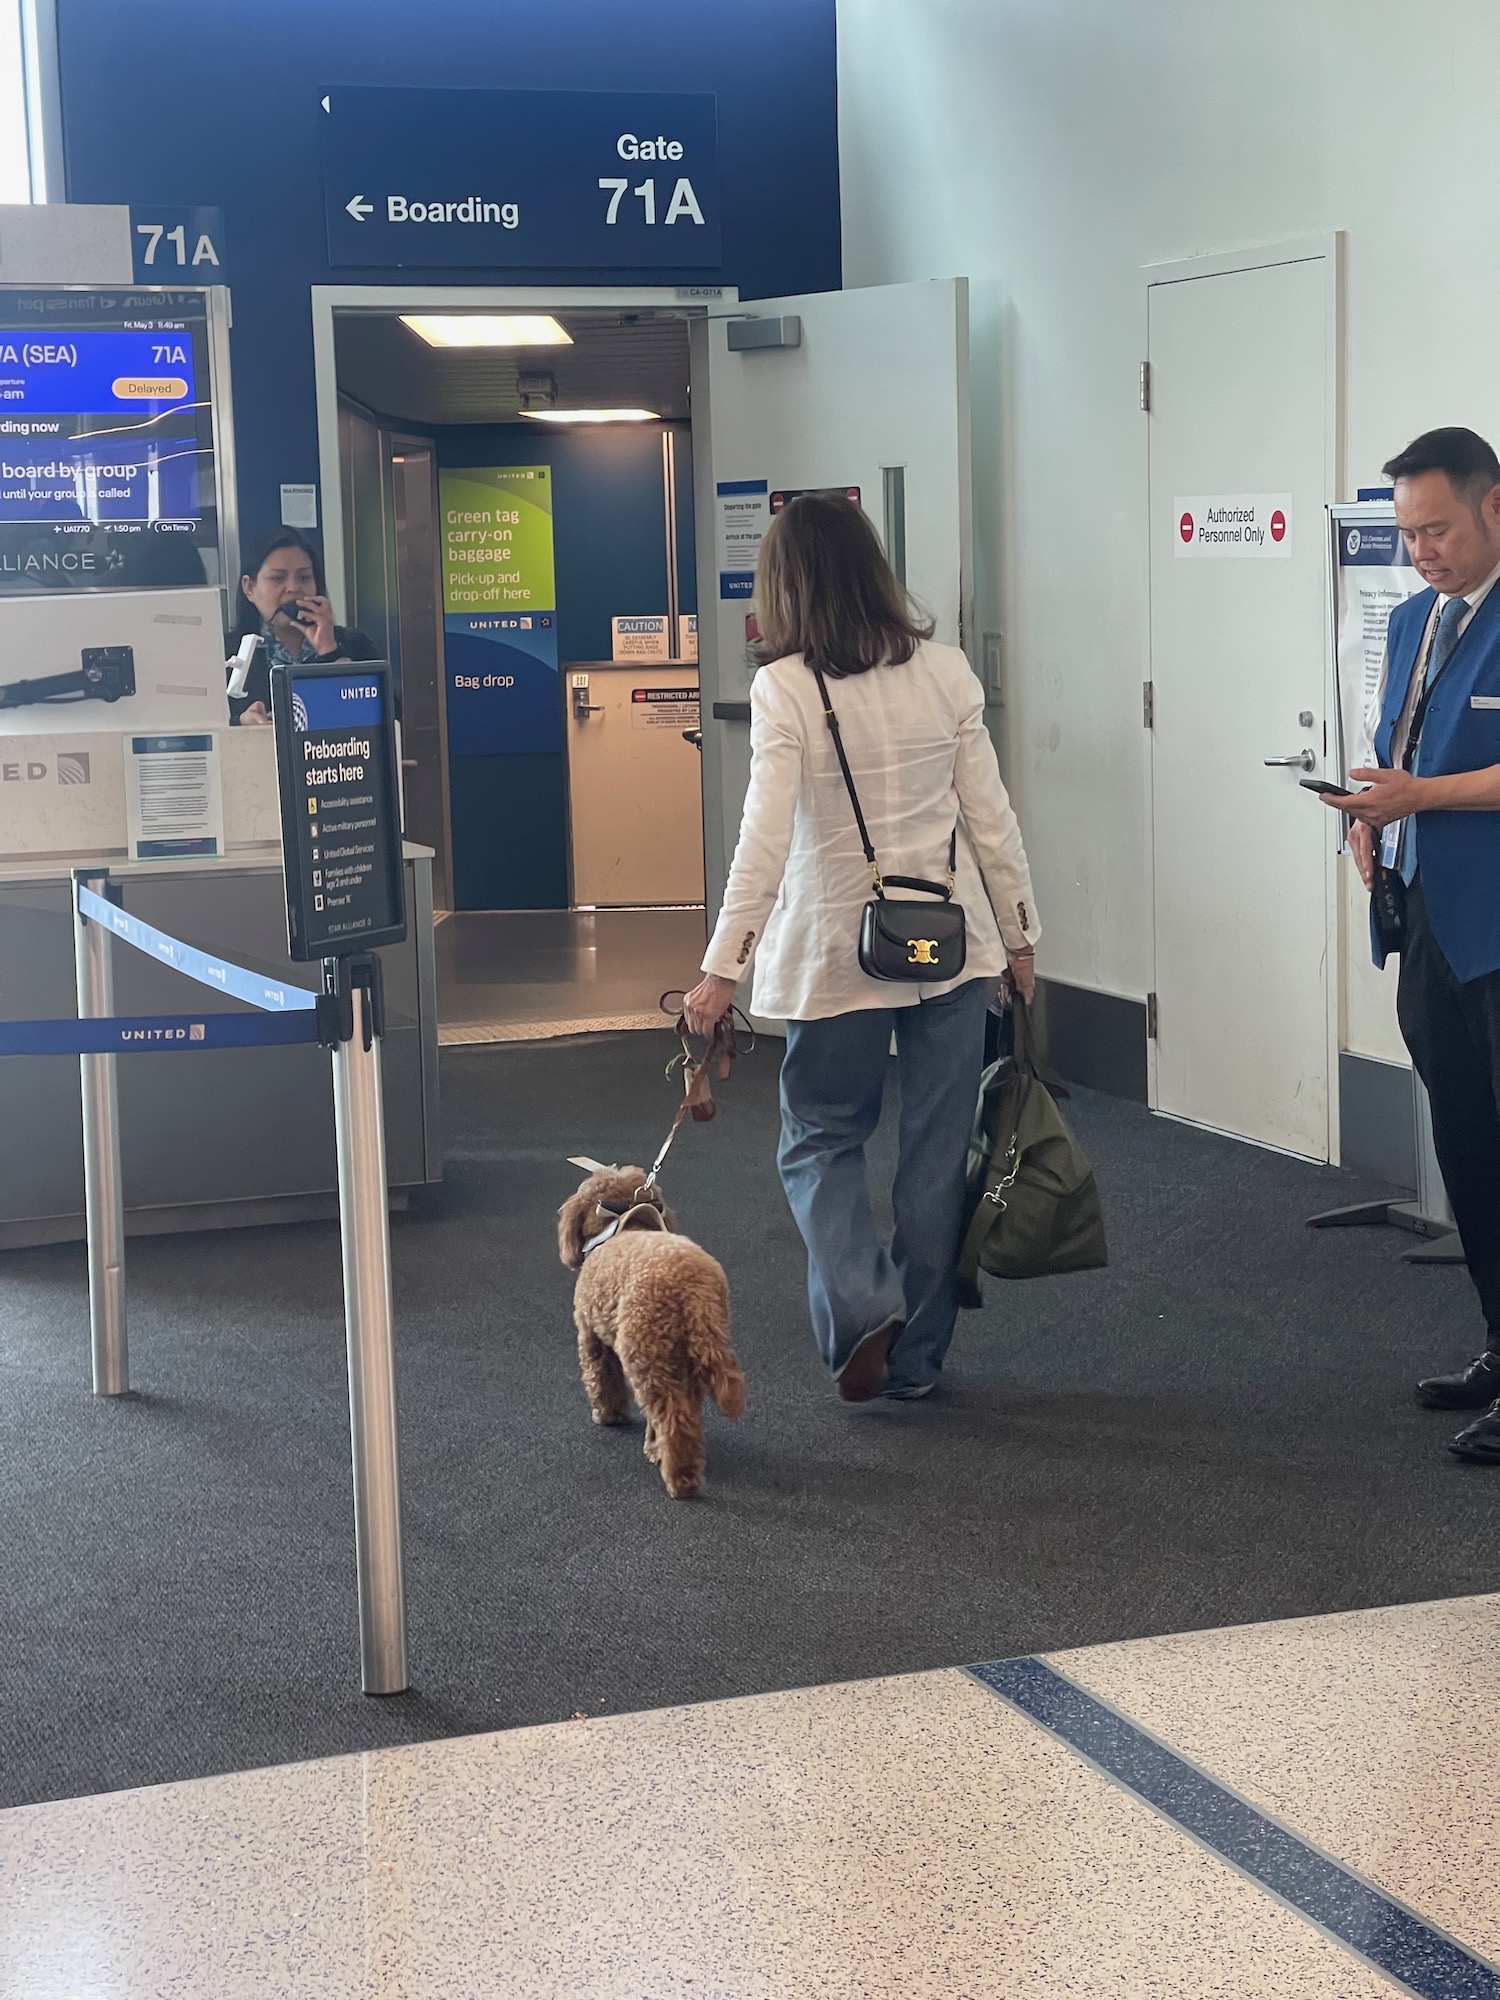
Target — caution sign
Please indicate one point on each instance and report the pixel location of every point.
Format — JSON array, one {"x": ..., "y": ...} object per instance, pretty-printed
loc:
[
  {"x": 664, "y": 708},
  {"x": 1233, "y": 525}
]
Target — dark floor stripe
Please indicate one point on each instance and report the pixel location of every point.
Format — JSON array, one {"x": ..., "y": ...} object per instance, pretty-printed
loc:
[{"x": 1392, "y": 1938}]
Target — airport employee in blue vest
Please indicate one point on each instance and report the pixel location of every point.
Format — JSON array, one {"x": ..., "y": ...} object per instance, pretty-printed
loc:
[{"x": 1429, "y": 826}]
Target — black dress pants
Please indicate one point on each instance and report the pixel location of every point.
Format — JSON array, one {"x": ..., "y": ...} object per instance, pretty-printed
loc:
[{"x": 1452, "y": 1028}]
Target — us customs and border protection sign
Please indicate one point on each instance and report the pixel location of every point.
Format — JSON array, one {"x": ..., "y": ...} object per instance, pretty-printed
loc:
[{"x": 1244, "y": 525}]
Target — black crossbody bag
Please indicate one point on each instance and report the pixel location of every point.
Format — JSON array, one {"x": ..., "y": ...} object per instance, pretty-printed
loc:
[{"x": 926, "y": 942}]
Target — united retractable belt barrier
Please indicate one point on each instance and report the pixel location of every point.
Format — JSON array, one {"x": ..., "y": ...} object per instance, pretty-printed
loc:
[
  {"x": 290, "y": 1014},
  {"x": 347, "y": 1017},
  {"x": 139, "y": 1034},
  {"x": 275, "y": 995}
]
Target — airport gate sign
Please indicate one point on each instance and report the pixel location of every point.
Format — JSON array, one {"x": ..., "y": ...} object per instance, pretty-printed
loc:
[{"x": 520, "y": 179}]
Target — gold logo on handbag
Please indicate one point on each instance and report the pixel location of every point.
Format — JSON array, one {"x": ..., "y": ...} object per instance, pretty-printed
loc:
[{"x": 923, "y": 951}]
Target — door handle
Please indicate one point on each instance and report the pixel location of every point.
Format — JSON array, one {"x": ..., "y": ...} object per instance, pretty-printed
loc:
[{"x": 1302, "y": 760}]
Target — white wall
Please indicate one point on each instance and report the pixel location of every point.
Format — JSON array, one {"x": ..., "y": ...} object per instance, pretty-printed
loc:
[
  {"x": 1055, "y": 147},
  {"x": 15, "y": 179}
]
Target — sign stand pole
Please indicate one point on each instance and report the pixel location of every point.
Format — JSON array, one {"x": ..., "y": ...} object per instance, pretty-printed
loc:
[
  {"x": 103, "y": 1194},
  {"x": 359, "y": 1121}
]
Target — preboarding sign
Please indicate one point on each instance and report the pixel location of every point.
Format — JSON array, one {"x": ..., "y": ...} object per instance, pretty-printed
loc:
[
  {"x": 534, "y": 179},
  {"x": 340, "y": 808},
  {"x": 1244, "y": 525}
]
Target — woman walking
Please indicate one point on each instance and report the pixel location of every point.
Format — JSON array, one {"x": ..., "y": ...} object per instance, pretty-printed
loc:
[{"x": 910, "y": 715}]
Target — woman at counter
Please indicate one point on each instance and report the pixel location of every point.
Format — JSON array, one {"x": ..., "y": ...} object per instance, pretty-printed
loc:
[{"x": 282, "y": 598}]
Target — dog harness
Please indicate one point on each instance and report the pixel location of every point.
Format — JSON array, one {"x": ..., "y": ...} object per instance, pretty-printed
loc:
[{"x": 633, "y": 1217}]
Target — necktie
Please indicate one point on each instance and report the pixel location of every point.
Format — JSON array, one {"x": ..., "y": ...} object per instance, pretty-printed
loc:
[{"x": 1443, "y": 641}]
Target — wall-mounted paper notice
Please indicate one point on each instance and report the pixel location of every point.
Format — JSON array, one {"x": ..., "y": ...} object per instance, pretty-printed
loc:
[
  {"x": 642, "y": 638},
  {"x": 174, "y": 804},
  {"x": 299, "y": 506},
  {"x": 744, "y": 511}
]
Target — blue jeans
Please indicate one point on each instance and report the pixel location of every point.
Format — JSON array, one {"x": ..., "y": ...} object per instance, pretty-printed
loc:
[{"x": 832, "y": 1082}]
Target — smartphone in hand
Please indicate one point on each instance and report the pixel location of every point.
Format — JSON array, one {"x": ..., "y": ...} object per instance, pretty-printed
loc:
[{"x": 1324, "y": 787}]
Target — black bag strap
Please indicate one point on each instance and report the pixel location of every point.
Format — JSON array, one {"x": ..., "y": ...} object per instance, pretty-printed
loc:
[{"x": 945, "y": 890}]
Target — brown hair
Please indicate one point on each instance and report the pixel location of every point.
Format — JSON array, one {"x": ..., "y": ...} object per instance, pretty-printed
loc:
[{"x": 824, "y": 589}]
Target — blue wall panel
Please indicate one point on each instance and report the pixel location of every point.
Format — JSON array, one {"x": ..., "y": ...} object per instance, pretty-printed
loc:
[
  {"x": 509, "y": 852},
  {"x": 216, "y": 101}
]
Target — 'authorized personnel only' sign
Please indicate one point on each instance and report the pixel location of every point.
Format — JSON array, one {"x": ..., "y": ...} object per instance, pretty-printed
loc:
[{"x": 1233, "y": 524}]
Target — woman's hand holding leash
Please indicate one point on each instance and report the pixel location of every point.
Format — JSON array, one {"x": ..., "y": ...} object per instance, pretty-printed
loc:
[{"x": 708, "y": 1003}]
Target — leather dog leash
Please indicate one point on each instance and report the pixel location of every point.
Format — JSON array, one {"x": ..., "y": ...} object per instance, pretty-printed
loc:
[{"x": 697, "y": 1073}]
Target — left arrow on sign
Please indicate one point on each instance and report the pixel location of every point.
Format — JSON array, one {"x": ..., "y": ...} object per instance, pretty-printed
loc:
[{"x": 359, "y": 208}]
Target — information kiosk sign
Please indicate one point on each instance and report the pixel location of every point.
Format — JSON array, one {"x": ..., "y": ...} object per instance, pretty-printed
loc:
[{"x": 340, "y": 808}]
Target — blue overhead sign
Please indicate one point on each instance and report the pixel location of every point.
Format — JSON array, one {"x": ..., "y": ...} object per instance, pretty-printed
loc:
[{"x": 526, "y": 179}]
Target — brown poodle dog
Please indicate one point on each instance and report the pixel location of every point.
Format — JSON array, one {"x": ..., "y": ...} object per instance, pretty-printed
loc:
[{"x": 652, "y": 1312}]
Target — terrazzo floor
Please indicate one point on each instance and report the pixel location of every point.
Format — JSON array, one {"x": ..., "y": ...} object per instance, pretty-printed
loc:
[{"x": 913, "y": 1837}]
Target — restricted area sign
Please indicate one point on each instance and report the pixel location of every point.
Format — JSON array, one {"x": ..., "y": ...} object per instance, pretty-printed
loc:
[
  {"x": 1234, "y": 525},
  {"x": 340, "y": 808}
]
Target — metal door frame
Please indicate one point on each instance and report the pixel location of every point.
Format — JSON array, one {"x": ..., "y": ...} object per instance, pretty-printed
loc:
[
  {"x": 1329, "y": 247},
  {"x": 688, "y": 301}
]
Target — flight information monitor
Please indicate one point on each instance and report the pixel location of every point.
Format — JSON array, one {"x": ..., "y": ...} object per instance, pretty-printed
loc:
[{"x": 107, "y": 474}]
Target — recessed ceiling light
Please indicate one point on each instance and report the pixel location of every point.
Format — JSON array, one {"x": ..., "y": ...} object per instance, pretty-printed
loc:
[
  {"x": 488, "y": 329},
  {"x": 593, "y": 416}
]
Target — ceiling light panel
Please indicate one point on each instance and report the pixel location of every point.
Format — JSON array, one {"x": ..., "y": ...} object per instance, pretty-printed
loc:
[
  {"x": 593, "y": 416},
  {"x": 488, "y": 329}
]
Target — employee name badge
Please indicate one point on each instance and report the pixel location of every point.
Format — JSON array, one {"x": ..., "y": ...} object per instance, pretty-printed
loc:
[{"x": 1390, "y": 844}]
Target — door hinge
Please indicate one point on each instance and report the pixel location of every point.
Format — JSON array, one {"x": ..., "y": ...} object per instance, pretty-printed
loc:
[
  {"x": 1146, "y": 386},
  {"x": 1150, "y": 1017},
  {"x": 1148, "y": 704}
]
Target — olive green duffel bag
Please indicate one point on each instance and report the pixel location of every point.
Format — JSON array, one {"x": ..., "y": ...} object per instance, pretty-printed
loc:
[{"x": 1034, "y": 1208}]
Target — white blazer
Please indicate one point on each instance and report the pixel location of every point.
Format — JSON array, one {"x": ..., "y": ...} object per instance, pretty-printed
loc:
[{"x": 922, "y": 761}]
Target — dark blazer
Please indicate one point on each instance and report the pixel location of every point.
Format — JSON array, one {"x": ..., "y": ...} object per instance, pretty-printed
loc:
[{"x": 1458, "y": 853}]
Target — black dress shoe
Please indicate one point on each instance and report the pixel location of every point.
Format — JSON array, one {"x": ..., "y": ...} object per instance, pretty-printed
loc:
[
  {"x": 1481, "y": 1441},
  {"x": 1472, "y": 1388}
]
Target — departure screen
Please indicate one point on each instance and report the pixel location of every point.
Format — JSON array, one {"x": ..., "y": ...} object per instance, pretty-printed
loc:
[{"x": 106, "y": 441}]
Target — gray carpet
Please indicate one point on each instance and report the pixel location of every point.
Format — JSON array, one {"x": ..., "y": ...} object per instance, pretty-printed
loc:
[{"x": 1218, "y": 1428}]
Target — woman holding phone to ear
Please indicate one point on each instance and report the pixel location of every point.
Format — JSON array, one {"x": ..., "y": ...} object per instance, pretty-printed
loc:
[{"x": 282, "y": 598}]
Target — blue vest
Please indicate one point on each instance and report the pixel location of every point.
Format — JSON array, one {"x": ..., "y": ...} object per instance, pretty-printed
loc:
[{"x": 1458, "y": 853}]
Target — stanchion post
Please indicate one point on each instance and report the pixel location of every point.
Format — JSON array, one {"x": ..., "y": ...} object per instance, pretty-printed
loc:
[
  {"x": 103, "y": 1194},
  {"x": 353, "y": 984}
]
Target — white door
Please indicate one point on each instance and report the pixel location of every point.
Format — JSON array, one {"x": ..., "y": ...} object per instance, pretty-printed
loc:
[
  {"x": 635, "y": 802},
  {"x": 1240, "y": 468},
  {"x": 875, "y": 396}
]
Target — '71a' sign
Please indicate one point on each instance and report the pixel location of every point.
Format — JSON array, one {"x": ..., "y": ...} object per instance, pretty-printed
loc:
[{"x": 168, "y": 244}]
